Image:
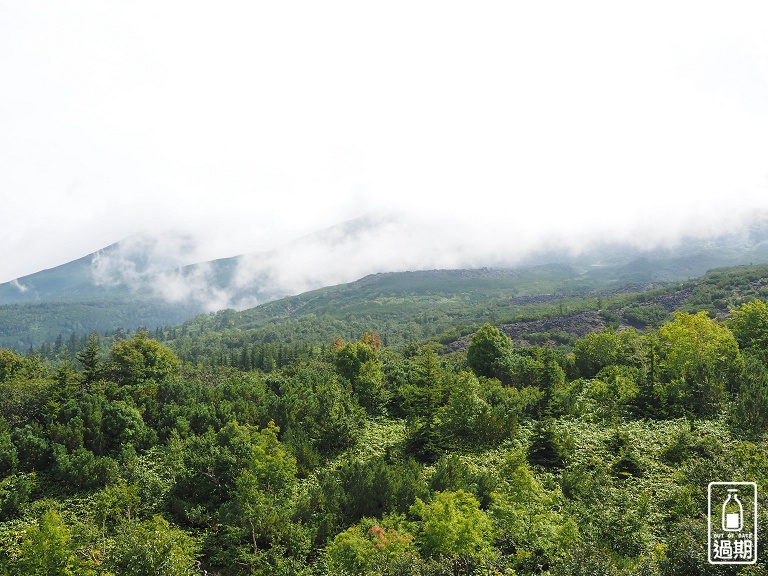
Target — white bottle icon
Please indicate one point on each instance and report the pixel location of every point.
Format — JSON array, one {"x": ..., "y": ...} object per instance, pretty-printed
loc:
[{"x": 733, "y": 512}]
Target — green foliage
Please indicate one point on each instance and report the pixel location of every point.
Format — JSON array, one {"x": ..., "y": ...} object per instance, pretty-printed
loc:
[
  {"x": 452, "y": 473},
  {"x": 316, "y": 400},
  {"x": 141, "y": 359},
  {"x": 9, "y": 456},
  {"x": 611, "y": 394},
  {"x": 749, "y": 410},
  {"x": 154, "y": 546},
  {"x": 81, "y": 468},
  {"x": 749, "y": 325},
  {"x": 205, "y": 399},
  {"x": 488, "y": 352},
  {"x": 25, "y": 401},
  {"x": 484, "y": 412},
  {"x": 453, "y": 525},
  {"x": 218, "y": 466},
  {"x": 89, "y": 359},
  {"x": 100, "y": 425},
  {"x": 550, "y": 446},
  {"x": 627, "y": 462},
  {"x": 257, "y": 509},
  {"x": 700, "y": 361},
  {"x": 532, "y": 526},
  {"x": 47, "y": 548},
  {"x": 461, "y": 415},
  {"x": 371, "y": 488},
  {"x": 646, "y": 316},
  {"x": 11, "y": 364},
  {"x": 350, "y": 357},
  {"x": 422, "y": 395},
  {"x": 535, "y": 366},
  {"x": 15, "y": 491},
  {"x": 598, "y": 350},
  {"x": 34, "y": 451},
  {"x": 583, "y": 559},
  {"x": 370, "y": 549}
]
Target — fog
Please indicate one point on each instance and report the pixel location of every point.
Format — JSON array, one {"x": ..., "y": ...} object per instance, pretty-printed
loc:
[
  {"x": 169, "y": 266},
  {"x": 462, "y": 136}
]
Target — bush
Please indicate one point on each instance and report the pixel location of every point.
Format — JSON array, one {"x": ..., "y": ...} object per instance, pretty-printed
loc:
[
  {"x": 15, "y": 491},
  {"x": 47, "y": 547},
  {"x": 452, "y": 473},
  {"x": 488, "y": 353},
  {"x": 454, "y": 526},
  {"x": 153, "y": 547},
  {"x": 700, "y": 362},
  {"x": 81, "y": 469},
  {"x": 749, "y": 411},
  {"x": 549, "y": 447},
  {"x": 598, "y": 350},
  {"x": 369, "y": 548},
  {"x": 141, "y": 359},
  {"x": 33, "y": 450},
  {"x": 315, "y": 400}
]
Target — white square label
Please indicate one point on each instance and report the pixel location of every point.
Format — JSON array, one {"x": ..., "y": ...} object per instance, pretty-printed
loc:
[{"x": 732, "y": 532}]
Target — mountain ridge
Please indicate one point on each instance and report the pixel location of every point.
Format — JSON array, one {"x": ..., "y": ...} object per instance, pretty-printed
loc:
[{"x": 139, "y": 282}]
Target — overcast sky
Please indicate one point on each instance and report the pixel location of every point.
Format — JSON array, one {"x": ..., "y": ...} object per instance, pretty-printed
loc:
[{"x": 484, "y": 126}]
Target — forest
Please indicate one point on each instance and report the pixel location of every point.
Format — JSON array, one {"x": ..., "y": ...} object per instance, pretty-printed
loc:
[{"x": 356, "y": 456}]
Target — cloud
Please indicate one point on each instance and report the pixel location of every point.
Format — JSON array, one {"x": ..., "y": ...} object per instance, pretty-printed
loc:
[
  {"x": 139, "y": 257},
  {"x": 195, "y": 284},
  {"x": 489, "y": 131},
  {"x": 19, "y": 286},
  {"x": 396, "y": 241}
]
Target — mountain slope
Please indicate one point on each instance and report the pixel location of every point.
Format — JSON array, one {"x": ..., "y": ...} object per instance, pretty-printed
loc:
[
  {"x": 63, "y": 283},
  {"x": 153, "y": 282},
  {"x": 533, "y": 306}
]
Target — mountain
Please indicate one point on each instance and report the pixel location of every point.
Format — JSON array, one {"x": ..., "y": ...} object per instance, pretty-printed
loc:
[
  {"x": 155, "y": 281},
  {"x": 545, "y": 305},
  {"x": 151, "y": 281},
  {"x": 66, "y": 282}
]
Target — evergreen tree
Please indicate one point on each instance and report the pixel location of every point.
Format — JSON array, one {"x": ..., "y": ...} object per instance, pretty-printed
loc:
[
  {"x": 489, "y": 352},
  {"x": 89, "y": 358}
]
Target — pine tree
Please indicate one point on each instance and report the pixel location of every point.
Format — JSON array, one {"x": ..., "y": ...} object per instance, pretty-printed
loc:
[{"x": 89, "y": 358}]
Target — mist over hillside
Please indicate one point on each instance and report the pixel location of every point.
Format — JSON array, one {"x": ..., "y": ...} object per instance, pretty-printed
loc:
[
  {"x": 166, "y": 266},
  {"x": 157, "y": 280}
]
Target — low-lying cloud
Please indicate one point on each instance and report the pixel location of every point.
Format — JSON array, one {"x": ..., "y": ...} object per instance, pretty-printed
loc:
[
  {"x": 389, "y": 242},
  {"x": 19, "y": 286}
]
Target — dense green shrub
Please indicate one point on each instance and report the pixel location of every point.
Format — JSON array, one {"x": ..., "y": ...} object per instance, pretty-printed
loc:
[
  {"x": 316, "y": 400},
  {"x": 489, "y": 352},
  {"x": 550, "y": 446},
  {"x": 141, "y": 359},
  {"x": 452, "y": 525},
  {"x": 599, "y": 350},
  {"x": 749, "y": 410},
  {"x": 155, "y": 547},
  {"x": 15, "y": 491},
  {"x": 368, "y": 548}
]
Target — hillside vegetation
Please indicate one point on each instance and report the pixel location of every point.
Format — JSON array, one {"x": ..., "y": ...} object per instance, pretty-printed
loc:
[
  {"x": 588, "y": 455},
  {"x": 128, "y": 285},
  {"x": 547, "y": 305}
]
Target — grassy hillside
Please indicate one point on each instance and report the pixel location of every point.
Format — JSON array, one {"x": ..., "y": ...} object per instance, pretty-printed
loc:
[{"x": 550, "y": 305}]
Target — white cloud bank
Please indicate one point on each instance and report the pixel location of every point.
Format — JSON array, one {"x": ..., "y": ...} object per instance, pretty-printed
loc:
[
  {"x": 492, "y": 127},
  {"x": 391, "y": 242}
]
